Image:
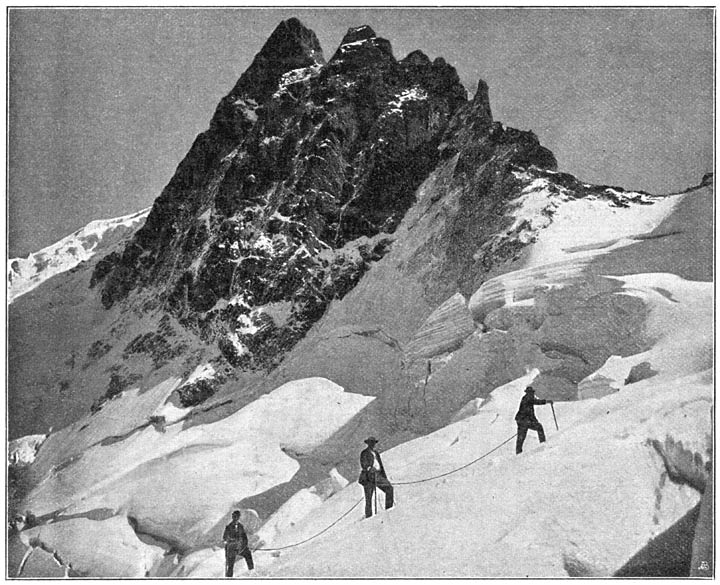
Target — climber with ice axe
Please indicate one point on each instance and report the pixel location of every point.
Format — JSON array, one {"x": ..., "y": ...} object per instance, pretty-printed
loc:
[
  {"x": 526, "y": 420},
  {"x": 372, "y": 477}
]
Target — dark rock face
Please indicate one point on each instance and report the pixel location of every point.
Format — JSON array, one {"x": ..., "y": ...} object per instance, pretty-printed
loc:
[{"x": 298, "y": 185}]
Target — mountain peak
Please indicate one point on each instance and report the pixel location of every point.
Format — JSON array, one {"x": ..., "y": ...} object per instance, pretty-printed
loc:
[
  {"x": 481, "y": 100},
  {"x": 358, "y": 33},
  {"x": 290, "y": 46},
  {"x": 361, "y": 46},
  {"x": 292, "y": 39},
  {"x": 417, "y": 58}
]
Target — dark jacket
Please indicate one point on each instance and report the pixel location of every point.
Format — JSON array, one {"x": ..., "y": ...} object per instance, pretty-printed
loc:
[
  {"x": 366, "y": 463},
  {"x": 526, "y": 412},
  {"x": 235, "y": 534}
]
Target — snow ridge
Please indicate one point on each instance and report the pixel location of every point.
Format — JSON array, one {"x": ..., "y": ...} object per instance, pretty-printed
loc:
[{"x": 25, "y": 274}]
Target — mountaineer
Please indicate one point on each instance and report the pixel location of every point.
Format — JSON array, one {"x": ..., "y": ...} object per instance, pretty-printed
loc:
[
  {"x": 525, "y": 418},
  {"x": 372, "y": 476},
  {"x": 236, "y": 543}
]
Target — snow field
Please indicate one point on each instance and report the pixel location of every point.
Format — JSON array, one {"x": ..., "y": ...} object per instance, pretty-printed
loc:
[
  {"x": 677, "y": 323},
  {"x": 608, "y": 226},
  {"x": 179, "y": 485},
  {"x": 581, "y": 504},
  {"x": 118, "y": 416},
  {"x": 591, "y": 497},
  {"x": 575, "y": 232},
  {"x": 107, "y": 548},
  {"x": 298, "y": 507}
]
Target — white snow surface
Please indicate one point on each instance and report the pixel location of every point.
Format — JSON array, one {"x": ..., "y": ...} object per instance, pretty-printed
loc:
[
  {"x": 608, "y": 379},
  {"x": 240, "y": 349},
  {"x": 168, "y": 411},
  {"x": 558, "y": 505},
  {"x": 297, "y": 508},
  {"x": 608, "y": 227},
  {"x": 179, "y": 484},
  {"x": 567, "y": 235},
  {"x": 22, "y": 451},
  {"x": 264, "y": 243},
  {"x": 679, "y": 322},
  {"x": 25, "y": 274},
  {"x": 554, "y": 511},
  {"x": 580, "y": 505},
  {"x": 98, "y": 548},
  {"x": 298, "y": 75}
]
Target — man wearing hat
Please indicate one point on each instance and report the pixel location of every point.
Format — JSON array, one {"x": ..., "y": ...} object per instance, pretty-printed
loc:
[
  {"x": 373, "y": 476},
  {"x": 525, "y": 418},
  {"x": 236, "y": 543}
]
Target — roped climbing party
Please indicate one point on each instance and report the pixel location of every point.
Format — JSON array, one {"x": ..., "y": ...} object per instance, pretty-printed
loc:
[{"x": 373, "y": 477}]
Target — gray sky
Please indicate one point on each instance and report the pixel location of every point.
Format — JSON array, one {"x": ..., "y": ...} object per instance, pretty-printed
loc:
[{"x": 105, "y": 103}]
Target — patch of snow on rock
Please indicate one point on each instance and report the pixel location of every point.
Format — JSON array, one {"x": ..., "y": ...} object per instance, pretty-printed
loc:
[
  {"x": 246, "y": 326},
  {"x": 239, "y": 300},
  {"x": 414, "y": 94},
  {"x": 264, "y": 243},
  {"x": 22, "y": 451},
  {"x": 240, "y": 349},
  {"x": 202, "y": 372},
  {"x": 297, "y": 76}
]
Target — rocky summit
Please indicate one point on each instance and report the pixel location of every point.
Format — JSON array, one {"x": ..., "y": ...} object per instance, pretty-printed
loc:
[
  {"x": 355, "y": 247},
  {"x": 299, "y": 185}
]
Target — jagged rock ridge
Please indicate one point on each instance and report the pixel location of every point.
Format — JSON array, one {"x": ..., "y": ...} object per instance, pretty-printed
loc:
[{"x": 298, "y": 185}]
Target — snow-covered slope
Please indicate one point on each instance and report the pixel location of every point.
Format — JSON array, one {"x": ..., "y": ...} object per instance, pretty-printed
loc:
[
  {"x": 172, "y": 482},
  {"x": 535, "y": 300},
  {"x": 581, "y": 505},
  {"x": 613, "y": 477},
  {"x": 579, "y": 232},
  {"x": 25, "y": 274}
]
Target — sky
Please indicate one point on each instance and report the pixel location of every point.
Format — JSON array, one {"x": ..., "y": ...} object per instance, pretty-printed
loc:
[{"x": 105, "y": 103}]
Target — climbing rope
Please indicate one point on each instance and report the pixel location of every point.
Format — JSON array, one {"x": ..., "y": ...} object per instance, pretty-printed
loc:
[
  {"x": 355, "y": 505},
  {"x": 459, "y": 468},
  {"x": 324, "y": 530}
]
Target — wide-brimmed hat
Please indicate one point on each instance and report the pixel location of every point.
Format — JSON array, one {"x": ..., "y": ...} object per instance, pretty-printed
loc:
[
  {"x": 529, "y": 389},
  {"x": 371, "y": 440}
]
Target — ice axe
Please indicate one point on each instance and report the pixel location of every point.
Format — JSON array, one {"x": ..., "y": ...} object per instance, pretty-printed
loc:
[
  {"x": 375, "y": 493},
  {"x": 552, "y": 406}
]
